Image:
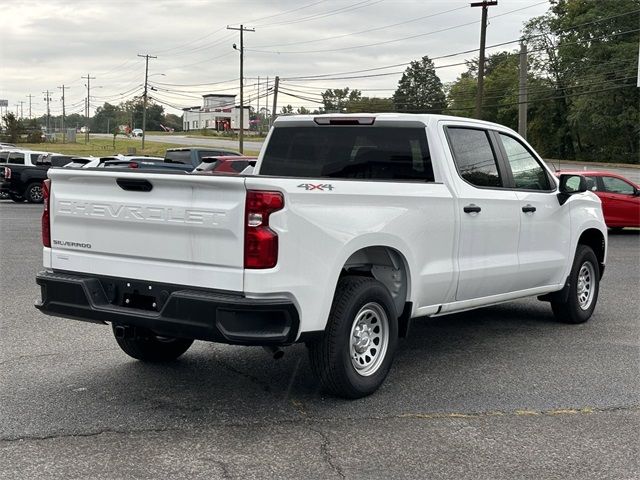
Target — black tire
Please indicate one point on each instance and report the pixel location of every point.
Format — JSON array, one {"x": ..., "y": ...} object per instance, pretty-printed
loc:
[
  {"x": 573, "y": 311},
  {"x": 330, "y": 355},
  {"x": 149, "y": 347},
  {"x": 16, "y": 198},
  {"x": 34, "y": 193}
]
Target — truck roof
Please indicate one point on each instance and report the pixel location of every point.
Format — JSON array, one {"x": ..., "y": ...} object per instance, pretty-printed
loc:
[{"x": 426, "y": 118}]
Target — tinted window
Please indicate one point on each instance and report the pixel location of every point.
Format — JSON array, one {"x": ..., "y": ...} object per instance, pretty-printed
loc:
[
  {"x": 527, "y": 172},
  {"x": 3, "y": 157},
  {"x": 474, "y": 156},
  {"x": 178, "y": 156},
  {"x": 239, "y": 165},
  {"x": 381, "y": 153},
  {"x": 615, "y": 185},
  {"x": 16, "y": 158}
]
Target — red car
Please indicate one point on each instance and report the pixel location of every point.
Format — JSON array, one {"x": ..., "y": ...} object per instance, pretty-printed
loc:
[
  {"x": 228, "y": 164},
  {"x": 620, "y": 197}
]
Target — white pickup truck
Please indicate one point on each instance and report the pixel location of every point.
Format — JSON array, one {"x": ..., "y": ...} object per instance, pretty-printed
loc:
[{"x": 350, "y": 226}]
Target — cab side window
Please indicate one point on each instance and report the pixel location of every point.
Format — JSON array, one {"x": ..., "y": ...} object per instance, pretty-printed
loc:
[
  {"x": 16, "y": 158},
  {"x": 474, "y": 157},
  {"x": 615, "y": 185},
  {"x": 528, "y": 174}
]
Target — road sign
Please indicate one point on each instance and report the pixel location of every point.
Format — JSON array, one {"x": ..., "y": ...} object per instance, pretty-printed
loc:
[{"x": 4, "y": 103}]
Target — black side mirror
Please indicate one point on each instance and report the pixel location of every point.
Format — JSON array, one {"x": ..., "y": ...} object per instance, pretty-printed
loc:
[{"x": 571, "y": 184}]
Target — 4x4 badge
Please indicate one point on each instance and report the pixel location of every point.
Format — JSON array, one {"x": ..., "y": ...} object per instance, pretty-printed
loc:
[{"x": 316, "y": 186}]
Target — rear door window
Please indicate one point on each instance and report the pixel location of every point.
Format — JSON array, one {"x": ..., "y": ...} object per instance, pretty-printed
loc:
[
  {"x": 16, "y": 158},
  {"x": 474, "y": 157},
  {"x": 351, "y": 152}
]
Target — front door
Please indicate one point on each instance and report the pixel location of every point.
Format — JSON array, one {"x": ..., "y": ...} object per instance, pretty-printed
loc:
[{"x": 545, "y": 226}]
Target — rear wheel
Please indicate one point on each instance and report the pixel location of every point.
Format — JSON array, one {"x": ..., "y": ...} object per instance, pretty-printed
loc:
[
  {"x": 143, "y": 344},
  {"x": 584, "y": 285},
  {"x": 34, "y": 193},
  {"x": 354, "y": 353},
  {"x": 16, "y": 198}
]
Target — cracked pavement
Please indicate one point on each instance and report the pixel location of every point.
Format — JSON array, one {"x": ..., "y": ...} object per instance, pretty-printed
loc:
[{"x": 500, "y": 393}]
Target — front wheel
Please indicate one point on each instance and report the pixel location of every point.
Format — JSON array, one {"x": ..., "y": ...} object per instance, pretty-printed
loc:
[
  {"x": 584, "y": 285},
  {"x": 143, "y": 344},
  {"x": 354, "y": 353}
]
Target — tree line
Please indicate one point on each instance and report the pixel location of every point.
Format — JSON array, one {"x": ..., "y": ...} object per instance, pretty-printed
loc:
[{"x": 583, "y": 100}]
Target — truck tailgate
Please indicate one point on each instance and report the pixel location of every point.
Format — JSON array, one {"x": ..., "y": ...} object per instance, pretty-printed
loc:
[{"x": 177, "y": 229}]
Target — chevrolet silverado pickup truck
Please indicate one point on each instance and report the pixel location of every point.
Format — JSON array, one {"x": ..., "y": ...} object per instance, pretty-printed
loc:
[{"x": 350, "y": 227}]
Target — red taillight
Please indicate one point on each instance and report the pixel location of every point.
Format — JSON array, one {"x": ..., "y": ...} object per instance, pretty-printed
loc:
[
  {"x": 46, "y": 224},
  {"x": 7, "y": 173},
  {"x": 260, "y": 242},
  {"x": 133, "y": 165}
]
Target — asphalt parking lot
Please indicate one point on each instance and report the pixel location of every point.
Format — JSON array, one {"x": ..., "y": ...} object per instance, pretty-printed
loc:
[{"x": 500, "y": 393}]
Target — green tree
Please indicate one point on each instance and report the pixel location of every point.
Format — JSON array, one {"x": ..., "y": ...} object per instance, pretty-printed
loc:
[
  {"x": 337, "y": 99},
  {"x": 13, "y": 126},
  {"x": 588, "y": 67},
  {"x": 420, "y": 89},
  {"x": 370, "y": 105}
]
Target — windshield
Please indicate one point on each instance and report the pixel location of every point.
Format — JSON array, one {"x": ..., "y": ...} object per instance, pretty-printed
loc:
[{"x": 357, "y": 152}]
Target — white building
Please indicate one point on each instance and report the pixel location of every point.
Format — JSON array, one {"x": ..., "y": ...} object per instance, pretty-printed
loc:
[{"x": 218, "y": 112}]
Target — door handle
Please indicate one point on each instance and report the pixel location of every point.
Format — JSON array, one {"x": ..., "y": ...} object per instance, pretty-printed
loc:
[
  {"x": 134, "y": 185},
  {"x": 528, "y": 209},
  {"x": 473, "y": 208}
]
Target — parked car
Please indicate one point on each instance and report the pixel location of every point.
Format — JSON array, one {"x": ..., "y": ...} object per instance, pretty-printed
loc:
[
  {"x": 136, "y": 132},
  {"x": 230, "y": 165},
  {"x": 23, "y": 172},
  {"x": 351, "y": 226},
  {"x": 620, "y": 196},
  {"x": 194, "y": 155},
  {"x": 7, "y": 146}
]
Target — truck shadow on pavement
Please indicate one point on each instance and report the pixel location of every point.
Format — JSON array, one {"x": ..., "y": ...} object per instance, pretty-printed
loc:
[{"x": 474, "y": 361}]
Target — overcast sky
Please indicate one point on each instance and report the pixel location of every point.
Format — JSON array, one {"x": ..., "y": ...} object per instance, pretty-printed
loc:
[{"x": 46, "y": 44}]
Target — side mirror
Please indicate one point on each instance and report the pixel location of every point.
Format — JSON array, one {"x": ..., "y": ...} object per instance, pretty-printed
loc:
[{"x": 571, "y": 184}]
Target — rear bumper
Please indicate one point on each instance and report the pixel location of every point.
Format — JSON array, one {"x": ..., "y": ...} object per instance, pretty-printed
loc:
[{"x": 169, "y": 310}]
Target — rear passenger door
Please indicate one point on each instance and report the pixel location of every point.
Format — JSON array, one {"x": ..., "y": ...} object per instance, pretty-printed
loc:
[
  {"x": 545, "y": 226},
  {"x": 489, "y": 216}
]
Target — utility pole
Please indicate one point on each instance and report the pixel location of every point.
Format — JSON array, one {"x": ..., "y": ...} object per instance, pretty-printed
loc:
[
  {"x": 522, "y": 92},
  {"x": 64, "y": 134},
  {"x": 275, "y": 101},
  {"x": 242, "y": 29},
  {"x": 144, "y": 96},
  {"x": 47, "y": 99},
  {"x": 30, "y": 97},
  {"x": 88, "y": 78},
  {"x": 266, "y": 105},
  {"x": 21, "y": 112},
  {"x": 483, "y": 34}
]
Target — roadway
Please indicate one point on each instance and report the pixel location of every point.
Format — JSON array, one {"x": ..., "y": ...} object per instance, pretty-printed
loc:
[{"x": 500, "y": 393}]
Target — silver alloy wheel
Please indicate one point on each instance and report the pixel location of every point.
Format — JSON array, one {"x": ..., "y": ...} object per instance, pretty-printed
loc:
[
  {"x": 36, "y": 193},
  {"x": 586, "y": 285},
  {"x": 369, "y": 339}
]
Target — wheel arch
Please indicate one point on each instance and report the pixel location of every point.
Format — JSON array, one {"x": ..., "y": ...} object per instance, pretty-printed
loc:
[
  {"x": 390, "y": 267},
  {"x": 595, "y": 239}
]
